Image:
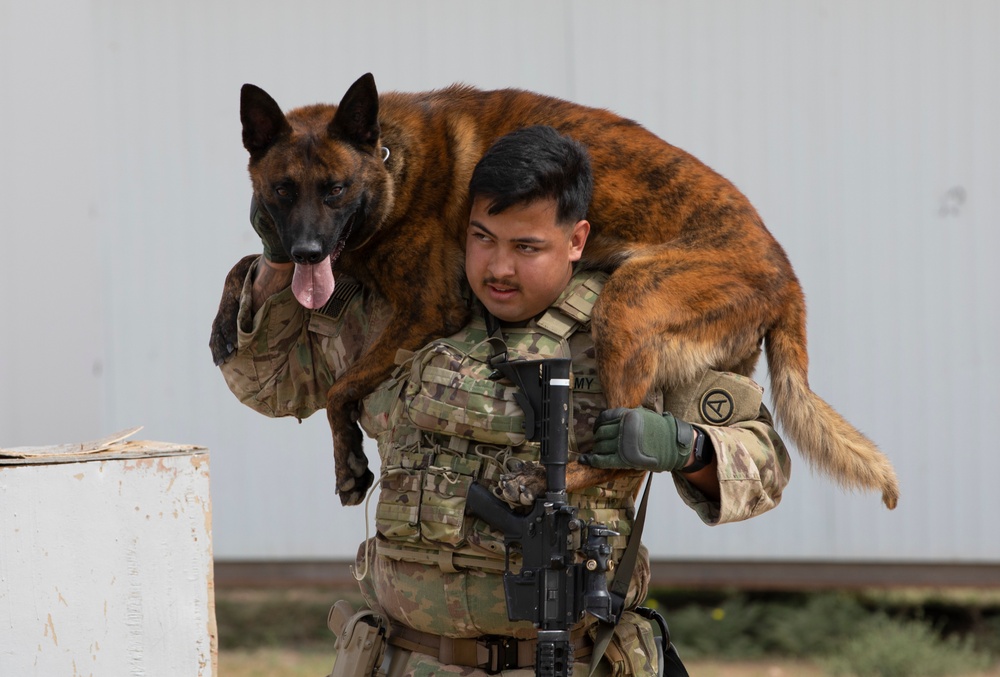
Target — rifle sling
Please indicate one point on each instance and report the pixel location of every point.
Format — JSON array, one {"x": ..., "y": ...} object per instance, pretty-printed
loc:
[{"x": 623, "y": 575}]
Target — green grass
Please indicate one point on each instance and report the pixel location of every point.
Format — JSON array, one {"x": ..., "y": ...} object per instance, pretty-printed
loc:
[
  {"x": 859, "y": 634},
  {"x": 274, "y": 618},
  {"x": 886, "y": 647},
  {"x": 275, "y": 662}
]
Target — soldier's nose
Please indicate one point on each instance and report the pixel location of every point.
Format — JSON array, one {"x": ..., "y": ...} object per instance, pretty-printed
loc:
[{"x": 501, "y": 266}]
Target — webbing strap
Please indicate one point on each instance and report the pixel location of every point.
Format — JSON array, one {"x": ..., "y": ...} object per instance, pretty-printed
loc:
[
  {"x": 498, "y": 348},
  {"x": 446, "y": 560},
  {"x": 619, "y": 586}
]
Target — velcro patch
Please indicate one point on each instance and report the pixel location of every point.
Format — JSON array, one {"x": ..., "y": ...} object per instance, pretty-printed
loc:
[
  {"x": 342, "y": 294},
  {"x": 717, "y": 406},
  {"x": 718, "y": 398}
]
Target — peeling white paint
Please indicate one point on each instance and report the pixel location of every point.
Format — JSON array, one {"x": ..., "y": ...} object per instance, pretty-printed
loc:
[{"x": 106, "y": 566}]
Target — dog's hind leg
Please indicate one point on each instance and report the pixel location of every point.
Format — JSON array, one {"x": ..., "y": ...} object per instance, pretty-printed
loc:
[
  {"x": 659, "y": 324},
  {"x": 661, "y": 320},
  {"x": 667, "y": 315}
]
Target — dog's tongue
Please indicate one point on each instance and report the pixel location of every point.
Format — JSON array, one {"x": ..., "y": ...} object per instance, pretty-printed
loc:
[{"x": 313, "y": 284}]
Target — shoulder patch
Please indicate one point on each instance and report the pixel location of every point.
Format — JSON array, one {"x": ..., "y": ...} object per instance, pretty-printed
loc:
[
  {"x": 717, "y": 406},
  {"x": 343, "y": 292},
  {"x": 717, "y": 398}
]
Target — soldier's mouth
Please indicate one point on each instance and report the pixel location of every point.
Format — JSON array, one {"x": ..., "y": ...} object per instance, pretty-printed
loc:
[{"x": 502, "y": 294}]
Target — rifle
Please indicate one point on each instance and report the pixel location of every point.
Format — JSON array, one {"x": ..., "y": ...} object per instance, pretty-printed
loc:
[{"x": 552, "y": 589}]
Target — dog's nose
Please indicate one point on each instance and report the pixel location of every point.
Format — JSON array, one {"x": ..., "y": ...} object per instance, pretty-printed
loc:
[{"x": 309, "y": 252}]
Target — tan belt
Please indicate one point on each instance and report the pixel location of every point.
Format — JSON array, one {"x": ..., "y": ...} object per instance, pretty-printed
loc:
[{"x": 492, "y": 653}]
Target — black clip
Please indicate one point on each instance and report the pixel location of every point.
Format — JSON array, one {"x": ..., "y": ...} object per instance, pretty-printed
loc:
[{"x": 503, "y": 654}]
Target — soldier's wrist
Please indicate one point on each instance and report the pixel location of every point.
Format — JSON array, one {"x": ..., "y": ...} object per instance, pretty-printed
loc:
[
  {"x": 280, "y": 266},
  {"x": 702, "y": 452}
]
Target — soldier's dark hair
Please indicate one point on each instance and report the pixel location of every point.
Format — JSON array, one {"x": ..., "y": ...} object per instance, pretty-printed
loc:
[{"x": 535, "y": 163}]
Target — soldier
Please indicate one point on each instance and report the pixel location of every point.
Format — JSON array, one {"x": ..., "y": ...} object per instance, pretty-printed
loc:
[{"x": 441, "y": 423}]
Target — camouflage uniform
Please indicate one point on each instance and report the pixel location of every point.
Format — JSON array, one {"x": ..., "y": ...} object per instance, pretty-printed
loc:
[{"x": 441, "y": 424}]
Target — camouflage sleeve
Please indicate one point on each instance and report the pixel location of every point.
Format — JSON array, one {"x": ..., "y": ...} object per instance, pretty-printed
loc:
[
  {"x": 287, "y": 357},
  {"x": 753, "y": 471}
]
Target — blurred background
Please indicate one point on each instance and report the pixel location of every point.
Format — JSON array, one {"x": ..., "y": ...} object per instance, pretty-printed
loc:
[{"x": 864, "y": 132}]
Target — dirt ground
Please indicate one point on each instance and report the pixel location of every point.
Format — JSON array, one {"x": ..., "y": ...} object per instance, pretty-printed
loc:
[{"x": 289, "y": 663}]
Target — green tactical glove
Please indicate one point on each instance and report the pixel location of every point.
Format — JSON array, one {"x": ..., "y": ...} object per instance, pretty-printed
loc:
[
  {"x": 264, "y": 226},
  {"x": 640, "y": 438}
]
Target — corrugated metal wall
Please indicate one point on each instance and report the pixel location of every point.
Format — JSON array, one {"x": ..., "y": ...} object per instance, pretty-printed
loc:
[{"x": 864, "y": 132}]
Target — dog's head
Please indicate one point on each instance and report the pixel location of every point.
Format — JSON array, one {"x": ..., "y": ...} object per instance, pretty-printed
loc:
[{"x": 319, "y": 171}]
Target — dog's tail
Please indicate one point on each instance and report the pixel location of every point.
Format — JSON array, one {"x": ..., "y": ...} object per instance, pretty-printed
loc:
[{"x": 822, "y": 435}]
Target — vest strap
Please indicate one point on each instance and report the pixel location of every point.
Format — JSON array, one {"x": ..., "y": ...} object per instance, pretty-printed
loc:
[
  {"x": 573, "y": 309},
  {"x": 448, "y": 561}
]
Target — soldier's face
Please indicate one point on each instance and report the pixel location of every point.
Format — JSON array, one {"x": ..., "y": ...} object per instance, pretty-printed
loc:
[{"x": 520, "y": 260}]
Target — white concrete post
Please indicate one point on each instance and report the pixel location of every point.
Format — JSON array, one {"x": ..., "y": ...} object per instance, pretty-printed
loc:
[{"x": 106, "y": 560}]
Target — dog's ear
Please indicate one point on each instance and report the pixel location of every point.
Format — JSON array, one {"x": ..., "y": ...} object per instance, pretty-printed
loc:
[
  {"x": 356, "y": 119},
  {"x": 263, "y": 121}
]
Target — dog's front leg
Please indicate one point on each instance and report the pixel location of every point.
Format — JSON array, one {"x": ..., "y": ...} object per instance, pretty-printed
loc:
[
  {"x": 408, "y": 330},
  {"x": 527, "y": 482},
  {"x": 224, "y": 329},
  {"x": 350, "y": 463}
]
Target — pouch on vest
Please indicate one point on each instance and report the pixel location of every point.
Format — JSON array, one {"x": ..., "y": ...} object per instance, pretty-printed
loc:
[
  {"x": 397, "y": 515},
  {"x": 450, "y": 393},
  {"x": 424, "y": 491},
  {"x": 633, "y": 647},
  {"x": 445, "y": 490}
]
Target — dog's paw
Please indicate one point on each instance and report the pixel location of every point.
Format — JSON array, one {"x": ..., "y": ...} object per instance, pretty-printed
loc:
[
  {"x": 223, "y": 341},
  {"x": 225, "y": 334},
  {"x": 353, "y": 476},
  {"x": 353, "y": 490},
  {"x": 523, "y": 485}
]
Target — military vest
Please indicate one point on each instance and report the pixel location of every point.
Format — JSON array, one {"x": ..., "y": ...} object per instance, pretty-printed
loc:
[{"x": 441, "y": 423}]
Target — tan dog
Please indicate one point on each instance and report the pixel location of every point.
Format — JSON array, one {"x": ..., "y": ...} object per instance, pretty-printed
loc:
[{"x": 377, "y": 188}]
